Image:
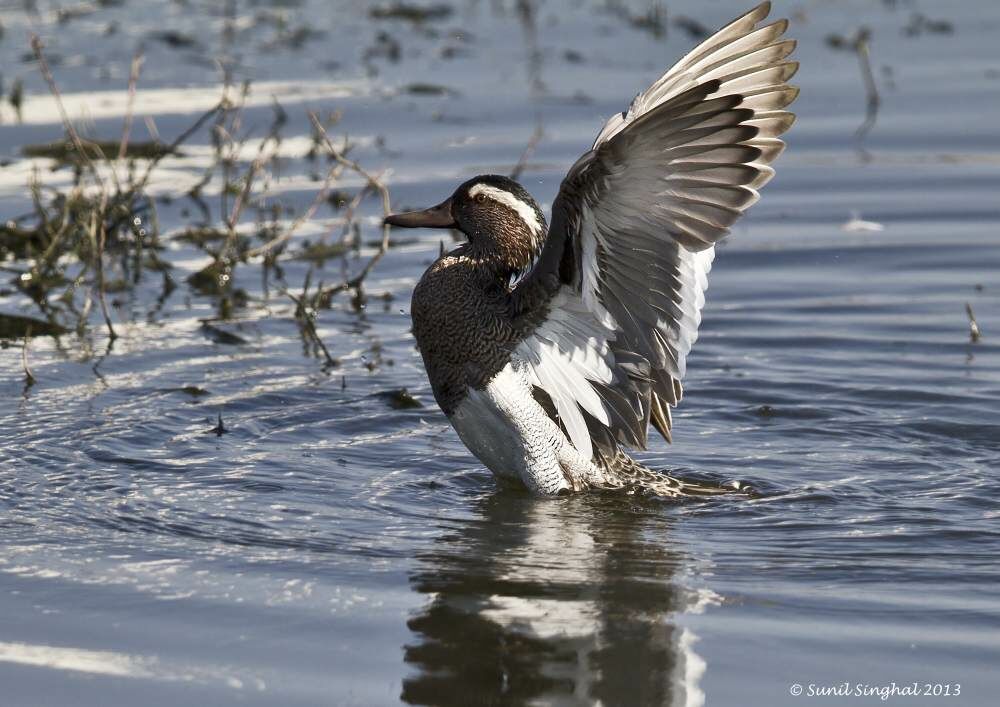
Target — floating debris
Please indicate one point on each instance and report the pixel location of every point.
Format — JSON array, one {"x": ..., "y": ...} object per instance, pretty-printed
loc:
[
  {"x": 411, "y": 13},
  {"x": 294, "y": 39},
  {"x": 654, "y": 21},
  {"x": 16, "y": 97},
  {"x": 400, "y": 399},
  {"x": 837, "y": 41},
  {"x": 66, "y": 14},
  {"x": 21, "y": 242},
  {"x": 29, "y": 377},
  {"x": 14, "y": 326},
  {"x": 860, "y": 43},
  {"x": 201, "y": 236},
  {"x": 692, "y": 27},
  {"x": 974, "y": 332},
  {"x": 221, "y": 336},
  {"x": 386, "y": 47},
  {"x": 213, "y": 279},
  {"x": 858, "y": 225},
  {"x": 920, "y": 24},
  {"x": 318, "y": 252},
  {"x": 65, "y": 151},
  {"x": 338, "y": 199},
  {"x": 219, "y": 429},
  {"x": 429, "y": 89},
  {"x": 174, "y": 39},
  {"x": 451, "y": 51},
  {"x": 192, "y": 390}
]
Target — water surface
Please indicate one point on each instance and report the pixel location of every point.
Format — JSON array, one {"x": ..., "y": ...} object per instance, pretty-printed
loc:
[{"x": 333, "y": 549}]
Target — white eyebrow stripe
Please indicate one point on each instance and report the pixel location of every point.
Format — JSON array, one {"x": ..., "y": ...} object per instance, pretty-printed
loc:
[{"x": 504, "y": 197}]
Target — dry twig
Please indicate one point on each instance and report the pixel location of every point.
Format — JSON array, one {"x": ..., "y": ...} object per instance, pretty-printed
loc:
[
  {"x": 133, "y": 79},
  {"x": 353, "y": 283},
  {"x": 37, "y": 47},
  {"x": 97, "y": 226},
  {"x": 306, "y": 318},
  {"x": 860, "y": 45},
  {"x": 287, "y": 234},
  {"x": 29, "y": 377},
  {"x": 974, "y": 332},
  {"x": 529, "y": 150}
]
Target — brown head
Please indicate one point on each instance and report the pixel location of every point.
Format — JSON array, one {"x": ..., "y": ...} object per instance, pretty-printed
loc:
[{"x": 504, "y": 225}]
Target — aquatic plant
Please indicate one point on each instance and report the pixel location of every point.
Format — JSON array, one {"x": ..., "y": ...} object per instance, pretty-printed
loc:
[{"x": 100, "y": 234}]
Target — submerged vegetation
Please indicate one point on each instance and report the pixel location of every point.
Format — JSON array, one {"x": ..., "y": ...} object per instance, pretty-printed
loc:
[{"x": 100, "y": 235}]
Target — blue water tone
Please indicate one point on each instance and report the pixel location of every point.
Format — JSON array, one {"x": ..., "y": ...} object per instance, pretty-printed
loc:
[{"x": 339, "y": 546}]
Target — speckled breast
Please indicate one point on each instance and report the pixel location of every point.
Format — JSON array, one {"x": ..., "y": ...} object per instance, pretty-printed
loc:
[{"x": 462, "y": 327}]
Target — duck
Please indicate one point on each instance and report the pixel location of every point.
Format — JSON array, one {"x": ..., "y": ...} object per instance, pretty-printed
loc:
[{"x": 553, "y": 346}]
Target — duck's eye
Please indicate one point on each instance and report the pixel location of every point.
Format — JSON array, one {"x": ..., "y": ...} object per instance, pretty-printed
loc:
[{"x": 480, "y": 198}]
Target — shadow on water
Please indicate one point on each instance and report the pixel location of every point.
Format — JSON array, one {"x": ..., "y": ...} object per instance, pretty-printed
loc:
[{"x": 558, "y": 601}]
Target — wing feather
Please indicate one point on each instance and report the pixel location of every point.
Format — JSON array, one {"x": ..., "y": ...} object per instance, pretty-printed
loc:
[{"x": 613, "y": 304}]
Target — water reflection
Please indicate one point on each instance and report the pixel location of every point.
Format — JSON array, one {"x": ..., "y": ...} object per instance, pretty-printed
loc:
[{"x": 567, "y": 601}]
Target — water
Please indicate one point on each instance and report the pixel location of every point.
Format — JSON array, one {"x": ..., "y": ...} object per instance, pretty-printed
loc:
[{"x": 332, "y": 549}]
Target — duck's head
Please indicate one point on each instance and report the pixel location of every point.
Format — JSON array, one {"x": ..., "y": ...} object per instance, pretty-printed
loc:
[{"x": 502, "y": 222}]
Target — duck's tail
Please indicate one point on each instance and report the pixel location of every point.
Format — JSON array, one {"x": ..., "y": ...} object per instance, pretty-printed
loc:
[{"x": 624, "y": 472}]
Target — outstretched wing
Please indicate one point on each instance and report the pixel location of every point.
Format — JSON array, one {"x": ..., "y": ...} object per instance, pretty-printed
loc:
[{"x": 614, "y": 303}]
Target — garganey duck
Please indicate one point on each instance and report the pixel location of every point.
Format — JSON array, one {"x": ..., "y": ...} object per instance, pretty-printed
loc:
[{"x": 552, "y": 349}]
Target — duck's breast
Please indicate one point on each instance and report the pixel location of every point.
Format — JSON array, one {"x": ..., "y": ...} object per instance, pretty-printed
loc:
[{"x": 463, "y": 330}]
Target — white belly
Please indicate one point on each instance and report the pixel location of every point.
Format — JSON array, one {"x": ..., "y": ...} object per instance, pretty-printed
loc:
[{"x": 506, "y": 428}]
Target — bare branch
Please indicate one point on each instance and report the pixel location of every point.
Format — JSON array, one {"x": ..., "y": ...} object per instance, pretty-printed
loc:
[
  {"x": 975, "y": 333},
  {"x": 133, "y": 79},
  {"x": 529, "y": 150},
  {"x": 98, "y": 236},
  {"x": 860, "y": 45},
  {"x": 305, "y": 318},
  {"x": 287, "y": 234},
  {"x": 372, "y": 182},
  {"x": 180, "y": 140},
  {"x": 43, "y": 65},
  {"x": 29, "y": 377}
]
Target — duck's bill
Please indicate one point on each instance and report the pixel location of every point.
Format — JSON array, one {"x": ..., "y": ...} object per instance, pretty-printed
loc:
[{"x": 435, "y": 217}]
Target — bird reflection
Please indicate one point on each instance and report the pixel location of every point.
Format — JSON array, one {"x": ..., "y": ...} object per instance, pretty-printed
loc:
[{"x": 565, "y": 601}]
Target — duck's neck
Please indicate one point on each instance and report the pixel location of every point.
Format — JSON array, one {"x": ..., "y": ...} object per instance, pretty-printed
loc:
[{"x": 503, "y": 258}]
